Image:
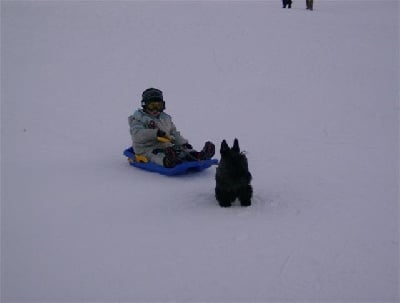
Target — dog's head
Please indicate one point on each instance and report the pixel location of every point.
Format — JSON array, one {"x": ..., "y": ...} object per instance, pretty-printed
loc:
[
  {"x": 234, "y": 156},
  {"x": 226, "y": 151}
]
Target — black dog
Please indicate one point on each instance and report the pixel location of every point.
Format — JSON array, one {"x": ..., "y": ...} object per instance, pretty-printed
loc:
[{"x": 233, "y": 177}]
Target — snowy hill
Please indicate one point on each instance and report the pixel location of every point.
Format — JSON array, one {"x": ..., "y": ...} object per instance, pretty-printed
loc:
[{"x": 313, "y": 97}]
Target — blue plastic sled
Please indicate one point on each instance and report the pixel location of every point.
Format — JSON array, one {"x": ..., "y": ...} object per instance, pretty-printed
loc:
[{"x": 183, "y": 168}]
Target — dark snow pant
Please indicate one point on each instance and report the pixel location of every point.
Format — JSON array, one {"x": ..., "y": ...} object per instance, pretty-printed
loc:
[
  {"x": 309, "y": 4},
  {"x": 287, "y": 3}
]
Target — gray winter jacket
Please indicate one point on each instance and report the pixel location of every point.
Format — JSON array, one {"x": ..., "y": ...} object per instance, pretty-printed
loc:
[{"x": 143, "y": 129}]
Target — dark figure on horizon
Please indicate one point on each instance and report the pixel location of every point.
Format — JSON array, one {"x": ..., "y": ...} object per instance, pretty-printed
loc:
[
  {"x": 309, "y": 4},
  {"x": 287, "y": 3}
]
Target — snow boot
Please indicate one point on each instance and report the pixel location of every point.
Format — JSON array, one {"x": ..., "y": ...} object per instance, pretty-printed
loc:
[
  {"x": 171, "y": 159},
  {"x": 205, "y": 154},
  {"x": 208, "y": 151}
]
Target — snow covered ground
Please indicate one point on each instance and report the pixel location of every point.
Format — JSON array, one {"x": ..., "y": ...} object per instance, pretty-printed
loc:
[{"x": 313, "y": 97}]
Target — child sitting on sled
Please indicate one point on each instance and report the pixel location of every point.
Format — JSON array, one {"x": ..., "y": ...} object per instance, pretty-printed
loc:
[{"x": 155, "y": 136}]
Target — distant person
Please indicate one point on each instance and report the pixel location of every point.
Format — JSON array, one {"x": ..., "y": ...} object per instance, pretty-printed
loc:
[
  {"x": 309, "y": 4},
  {"x": 287, "y": 3},
  {"x": 155, "y": 137}
]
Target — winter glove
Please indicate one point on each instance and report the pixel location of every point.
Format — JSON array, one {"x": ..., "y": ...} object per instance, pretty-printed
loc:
[
  {"x": 162, "y": 136},
  {"x": 161, "y": 133}
]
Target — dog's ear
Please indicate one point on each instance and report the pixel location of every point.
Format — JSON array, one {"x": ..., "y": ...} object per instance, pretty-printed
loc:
[
  {"x": 224, "y": 147},
  {"x": 235, "y": 147}
]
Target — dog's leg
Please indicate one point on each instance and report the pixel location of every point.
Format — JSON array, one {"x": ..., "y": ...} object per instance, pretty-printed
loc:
[
  {"x": 224, "y": 198},
  {"x": 245, "y": 195}
]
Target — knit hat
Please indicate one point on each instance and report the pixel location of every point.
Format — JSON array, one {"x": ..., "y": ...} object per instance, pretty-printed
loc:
[{"x": 152, "y": 95}]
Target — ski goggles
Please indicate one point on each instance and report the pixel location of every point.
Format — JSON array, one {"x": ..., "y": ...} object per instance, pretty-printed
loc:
[{"x": 159, "y": 106}]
